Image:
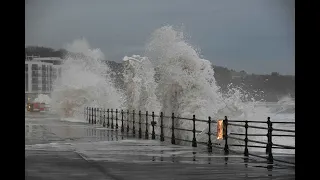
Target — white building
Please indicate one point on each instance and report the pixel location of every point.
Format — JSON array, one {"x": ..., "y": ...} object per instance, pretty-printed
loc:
[{"x": 40, "y": 73}]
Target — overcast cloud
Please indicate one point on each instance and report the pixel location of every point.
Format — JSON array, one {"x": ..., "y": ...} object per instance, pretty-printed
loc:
[{"x": 252, "y": 35}]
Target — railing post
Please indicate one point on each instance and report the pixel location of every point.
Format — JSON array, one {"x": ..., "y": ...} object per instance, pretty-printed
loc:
[
  {"x": 108, "y": 123},
  {"x": 100, "y": 120},
  {"x": 92, "y": 119},
  {"x": 104, "y": 117},
  {"x": 153, "y": 136},
  {"x": 133, "y": 128},
  {"x": 92, "y": 115},
  {"x": 95, "y": 115},
  {"x": 268, "y": 136},
  {"x": 122, "y": 128},
  {"x": 101, "y": 116},
  {"x": 89, "y": 115},
  {"x": 270, "y": 156},
  {"x": 101, "y": 112},
  {"x": 209, "y": 136},
  {"x": 140, "y": 132},
  {"x": 128, "y": 121},
  {"x": 194, "y": 140},
  {"x": 111, "y": 118},
  {"x": 161, "y": 127},
  {"x": 173, "y": 139},
  {"x": 147, "y": 127},
  {"x": 117, "y": 119},
  {"x": 226, "y": 147},
  {"x": 86, "y": 113},
  {"x": 246, "y": 152}
]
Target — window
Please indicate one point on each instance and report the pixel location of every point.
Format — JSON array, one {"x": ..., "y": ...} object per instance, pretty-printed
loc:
[
  {"x": 44, "y": 87},
  {"x": 26, "y": 82},
  {"x": 34, "y": 87},
  {"x": 35, "y": 81},
  {"x": 26, "y": 67},
  {"x": 44, "y": 80},
  {"x": 44, "y": 73},
  {"x": 35, "y": 74},
  {"x": 34, "y": 67},
  {"x": 44, "y": 70}
]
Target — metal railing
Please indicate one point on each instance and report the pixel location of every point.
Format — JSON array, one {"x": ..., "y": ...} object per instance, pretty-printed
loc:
[
  {"x": 109, "y": 118},
  {"x": 269, "y": 145}
]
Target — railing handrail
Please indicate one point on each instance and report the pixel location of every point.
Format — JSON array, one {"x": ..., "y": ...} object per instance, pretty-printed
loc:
[{"x": 91, "y": 114}]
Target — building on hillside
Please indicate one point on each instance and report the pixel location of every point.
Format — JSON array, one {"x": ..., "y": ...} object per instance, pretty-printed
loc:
[{"x": 40, "y": 73}]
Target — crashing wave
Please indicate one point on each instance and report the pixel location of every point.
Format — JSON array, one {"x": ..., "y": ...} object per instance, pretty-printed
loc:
[{"x": 85, "y": 81}]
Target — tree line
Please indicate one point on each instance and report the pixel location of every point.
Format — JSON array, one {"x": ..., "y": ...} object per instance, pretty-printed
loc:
[
  {"x": 269, "y": 87},
  {"x": 44, "y": 52}
]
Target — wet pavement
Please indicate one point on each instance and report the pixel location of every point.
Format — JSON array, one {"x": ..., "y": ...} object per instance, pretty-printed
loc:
[{"x": 56, "y": 149}]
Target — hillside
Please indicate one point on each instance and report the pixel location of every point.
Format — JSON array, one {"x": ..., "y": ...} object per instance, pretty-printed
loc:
[{"x": 269, "y": 87}]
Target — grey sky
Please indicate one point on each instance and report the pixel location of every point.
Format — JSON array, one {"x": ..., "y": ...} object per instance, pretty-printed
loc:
[{"x": 252, "y": 35}]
